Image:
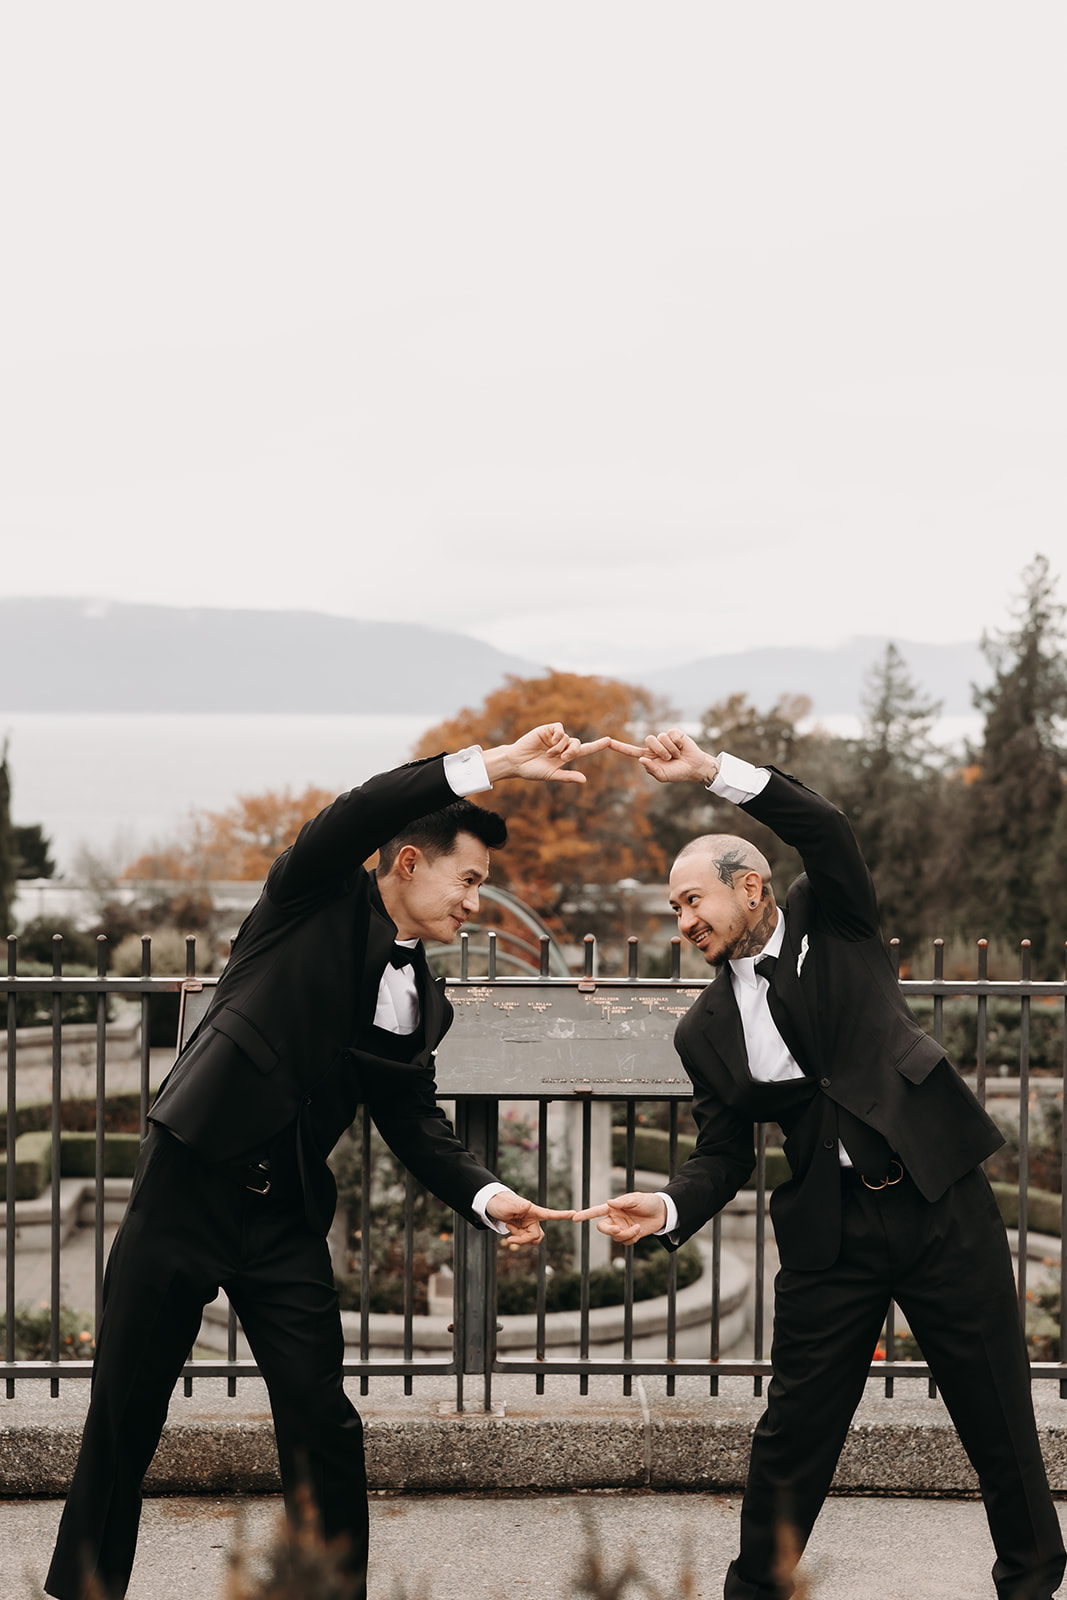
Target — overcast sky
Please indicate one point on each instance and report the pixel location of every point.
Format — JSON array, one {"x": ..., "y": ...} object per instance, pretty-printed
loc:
[{"x": 611, "y": 333}]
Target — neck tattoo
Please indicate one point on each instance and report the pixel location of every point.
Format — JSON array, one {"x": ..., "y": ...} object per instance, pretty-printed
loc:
[{"x": 754, "y": 939}]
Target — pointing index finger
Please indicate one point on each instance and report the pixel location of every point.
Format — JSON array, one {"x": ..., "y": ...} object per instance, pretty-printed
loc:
[{"x": 627, "y": 749}]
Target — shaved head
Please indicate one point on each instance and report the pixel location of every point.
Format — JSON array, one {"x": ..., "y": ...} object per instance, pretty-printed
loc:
[
  {"x": 729, "y": 854},
  {"x": 721, "y": 894}
]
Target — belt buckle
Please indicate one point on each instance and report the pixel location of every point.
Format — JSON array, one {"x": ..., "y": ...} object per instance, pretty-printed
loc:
[
  {"x": 262, "y": 1187},
  {"x": 887, "y": 1182}
]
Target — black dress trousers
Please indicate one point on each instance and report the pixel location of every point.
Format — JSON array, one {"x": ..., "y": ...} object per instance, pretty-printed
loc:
[
  {"x": 191, "y": 1229},
  {"x": 948, "y": 1266}
]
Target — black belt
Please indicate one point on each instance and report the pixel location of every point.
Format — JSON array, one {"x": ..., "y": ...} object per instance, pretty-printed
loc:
[{"x": 253, "y": 1175}]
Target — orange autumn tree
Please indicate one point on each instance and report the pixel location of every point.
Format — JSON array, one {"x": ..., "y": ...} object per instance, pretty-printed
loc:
[
  {"x": 566, "y": 838},
  {"x": 237, "y": 844}
]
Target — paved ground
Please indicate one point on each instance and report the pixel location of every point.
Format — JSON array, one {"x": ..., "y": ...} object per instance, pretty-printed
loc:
[{"x": 445, "y": 1547}]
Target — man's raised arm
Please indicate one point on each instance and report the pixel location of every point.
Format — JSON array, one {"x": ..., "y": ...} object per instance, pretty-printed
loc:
[
  {"x": 809, "y": 822},
  {"x": 340, "y": 838}
]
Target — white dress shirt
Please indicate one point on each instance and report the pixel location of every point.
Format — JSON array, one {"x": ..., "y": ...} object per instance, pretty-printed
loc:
[
  {"x": 397, "y": 1009},
  {"x": 769, "y": 1060}
]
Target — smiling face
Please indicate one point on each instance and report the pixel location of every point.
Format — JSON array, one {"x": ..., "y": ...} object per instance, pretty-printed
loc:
[
  {"x": 431, "y": 898},
  {"x": 712, "y": 895}
]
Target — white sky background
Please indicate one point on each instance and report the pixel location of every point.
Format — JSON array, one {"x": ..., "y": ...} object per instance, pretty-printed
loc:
[{"x": 612, "y": 333}]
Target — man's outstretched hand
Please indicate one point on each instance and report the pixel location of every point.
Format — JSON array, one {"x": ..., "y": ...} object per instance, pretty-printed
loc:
[
  {"x": 628, "y": 1217},
  {"x": 522, "y": 1218},
  {"x": 671, "y": 757},
  {"x": 541, "y": 754}
]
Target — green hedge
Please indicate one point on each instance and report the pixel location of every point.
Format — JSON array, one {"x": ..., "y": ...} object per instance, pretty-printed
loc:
[
  {"x": 652, "y": 1154},
  {"x": 33, "y": 1165},
  {"x": 960, "y": 1031},
  {"x": 34, "y": 1010},
  {"x": 122, "y": 1113},
  {"x": 1043, "y": 1209},
  {"x": 78, "y": 1154},
  {"x": 33, "y": 1159},
  {"x": 607, "y": 1285},
  {"x": 651, "y": 1147}
]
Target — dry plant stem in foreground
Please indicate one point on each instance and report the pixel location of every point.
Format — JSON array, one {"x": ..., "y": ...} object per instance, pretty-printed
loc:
[
  {"x": 789, "y": 1552},
  {"x": 594, "y": 1582},
  {"x": 298, "y": 1565}
]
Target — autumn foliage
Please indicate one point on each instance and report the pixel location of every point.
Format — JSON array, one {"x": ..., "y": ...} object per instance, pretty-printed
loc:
[
  {"x": 237, "y": 844},
  {"x": 563, "y": 837}
]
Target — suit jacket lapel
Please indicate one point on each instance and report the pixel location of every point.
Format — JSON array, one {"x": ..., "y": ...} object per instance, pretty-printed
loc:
[
  {"x": 381, "y": 936},
  {"x": 722, "y": 1026},
  {"x": 793, "y": 980},
  {"x": 431, "y": 998}
]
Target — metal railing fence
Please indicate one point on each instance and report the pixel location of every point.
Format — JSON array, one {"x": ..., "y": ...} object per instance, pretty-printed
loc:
[{"x": 475, "y": 1326}]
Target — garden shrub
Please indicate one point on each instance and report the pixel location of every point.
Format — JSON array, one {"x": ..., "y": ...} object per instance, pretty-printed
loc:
[
  {"x": 36, "y": 943},
  {"x": 35, "y": 1010},
  {"x": 33, "y": 1159},
  {"x": 78, "y": 1154},
  {"x": 1003, "y": 1026},
  {"x": 652, "y": 1154},
  {"x": 33, "y": 1335},
  {"x": 122, "y": 1114},
  {"x": 607, "y": 1285}
]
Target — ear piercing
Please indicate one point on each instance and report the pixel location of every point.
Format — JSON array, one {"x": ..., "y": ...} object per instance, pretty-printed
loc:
[{"x": 753, "y": 904}]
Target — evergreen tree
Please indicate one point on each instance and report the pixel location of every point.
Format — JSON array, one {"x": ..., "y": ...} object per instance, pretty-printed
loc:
[
  {"x": 1016, "y": 796},
  {"x": 1054, "y": 872},
  {"x": 8, "y": 858},
  {"x": 894, "y": 794},
  {"x": 34, "y": 851}
]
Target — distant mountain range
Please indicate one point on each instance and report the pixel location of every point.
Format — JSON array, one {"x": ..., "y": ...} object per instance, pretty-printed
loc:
[
  {"x": 833, "y": 679},
  {"x": 86, "y": 655},
  {"x": 90, "y": 655}
]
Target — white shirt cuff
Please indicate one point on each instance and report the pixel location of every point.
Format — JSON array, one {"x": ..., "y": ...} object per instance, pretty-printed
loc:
[
  {"x": 738, "y": 780},
  {"x": 671, "y": 1224},
  {"x": 482, "y": 1199},
  {"x": 465, "y": 771}
]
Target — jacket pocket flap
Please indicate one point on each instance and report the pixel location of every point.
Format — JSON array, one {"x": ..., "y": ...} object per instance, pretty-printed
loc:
[
  {"x": 247, "y": 1037},
  {"x": 920, "y": 1059}
]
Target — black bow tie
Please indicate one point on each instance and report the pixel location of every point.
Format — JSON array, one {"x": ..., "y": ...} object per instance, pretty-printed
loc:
[
  {"x": 765, "y": 967},
  {"x": 401, "y": 956}
]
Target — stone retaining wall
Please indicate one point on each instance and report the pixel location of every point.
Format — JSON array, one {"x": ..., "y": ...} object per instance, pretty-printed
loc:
[{"x": 558, "y": 1442}]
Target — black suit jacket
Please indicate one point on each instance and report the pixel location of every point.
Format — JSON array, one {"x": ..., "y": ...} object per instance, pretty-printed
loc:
[
  {"x": 859, "y": 1043},
  {"x": 281, "y": 1042}
]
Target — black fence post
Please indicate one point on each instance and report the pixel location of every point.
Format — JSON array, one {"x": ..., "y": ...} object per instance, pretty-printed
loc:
[{"x": 475, "y": 1281}]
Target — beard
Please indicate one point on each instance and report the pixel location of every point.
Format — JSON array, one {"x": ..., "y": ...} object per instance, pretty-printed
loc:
[{"x": 728, "y": 941}]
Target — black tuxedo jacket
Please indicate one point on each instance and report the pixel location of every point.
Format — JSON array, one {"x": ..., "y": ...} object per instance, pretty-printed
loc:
[
  {"x": 281, "y": 1043},
  {"x": 859, "y": 1044}
]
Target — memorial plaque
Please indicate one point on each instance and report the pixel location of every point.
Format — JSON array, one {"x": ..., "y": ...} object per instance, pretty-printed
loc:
[
  {"x": 525, "y": 1037},
  {"x": 556, "y": 1039}
]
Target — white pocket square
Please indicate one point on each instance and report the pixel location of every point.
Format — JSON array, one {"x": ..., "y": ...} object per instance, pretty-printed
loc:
[{"x": 802, "y": 957}]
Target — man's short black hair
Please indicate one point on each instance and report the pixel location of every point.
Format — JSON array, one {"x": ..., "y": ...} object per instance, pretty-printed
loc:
[{"x": 435, "y": 834}]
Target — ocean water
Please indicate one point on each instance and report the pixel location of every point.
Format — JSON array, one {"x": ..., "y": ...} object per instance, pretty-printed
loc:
[{"x": 119, "y": 783}]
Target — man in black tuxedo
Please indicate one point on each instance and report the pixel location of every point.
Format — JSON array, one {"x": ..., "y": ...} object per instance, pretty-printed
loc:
[
  {"x": 327, "y": 1002},
  {"x": 805, "y": 1026}
]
